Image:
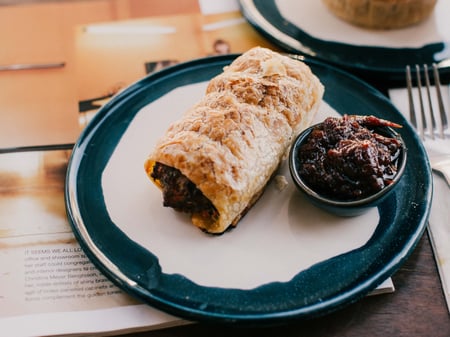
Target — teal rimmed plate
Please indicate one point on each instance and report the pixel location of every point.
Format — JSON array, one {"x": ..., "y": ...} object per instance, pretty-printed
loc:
[
  {"x": 368, "y": 53},
  {"x": 285, "y": 260}
]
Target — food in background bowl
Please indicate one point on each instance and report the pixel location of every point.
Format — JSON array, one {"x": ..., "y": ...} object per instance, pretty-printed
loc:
[
  {"x": 347, "y": 165},
  {"x": 381, "y": 14}
]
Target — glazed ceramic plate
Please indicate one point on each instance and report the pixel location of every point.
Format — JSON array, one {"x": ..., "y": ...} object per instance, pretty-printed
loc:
[
  {"x": 307, "y": 27},
  {"x": 285, "y": 260}
]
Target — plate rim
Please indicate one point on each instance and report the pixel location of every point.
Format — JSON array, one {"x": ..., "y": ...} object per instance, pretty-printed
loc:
[
  {"x": 282, "y": 39},
  {"x": 114, "y": 273}
]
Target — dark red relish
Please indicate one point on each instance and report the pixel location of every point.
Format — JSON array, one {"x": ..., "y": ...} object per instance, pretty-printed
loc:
[{"x": 349, "y": 158}]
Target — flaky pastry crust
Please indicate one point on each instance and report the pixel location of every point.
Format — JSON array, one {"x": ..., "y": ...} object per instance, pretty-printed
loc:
[{"x": 231, "y": 142}]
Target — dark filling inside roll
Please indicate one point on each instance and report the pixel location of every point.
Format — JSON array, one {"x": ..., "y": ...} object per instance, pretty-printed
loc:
[{"x": 180, "y": 193}]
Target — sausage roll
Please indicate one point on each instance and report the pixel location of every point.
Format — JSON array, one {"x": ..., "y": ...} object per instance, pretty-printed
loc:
[{"x": 215, "y": 161}]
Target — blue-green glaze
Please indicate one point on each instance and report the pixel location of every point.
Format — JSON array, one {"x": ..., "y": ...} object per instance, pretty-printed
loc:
[{"x": 325, "y": 287}]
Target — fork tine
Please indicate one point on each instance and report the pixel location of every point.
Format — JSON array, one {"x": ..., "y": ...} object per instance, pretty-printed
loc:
[
  {"x": 442, "y": 112},
  {"x": 412, "y": 112},
  {"x": 422, "y": 122},
  {"x": 431, "y": 121}
]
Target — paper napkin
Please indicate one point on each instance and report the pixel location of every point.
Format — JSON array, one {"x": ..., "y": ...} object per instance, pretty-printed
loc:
[{"x": 439, "y": 220}]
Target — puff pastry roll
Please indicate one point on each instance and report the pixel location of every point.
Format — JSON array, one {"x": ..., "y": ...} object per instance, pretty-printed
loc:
[{"x": 215, "y": 161}]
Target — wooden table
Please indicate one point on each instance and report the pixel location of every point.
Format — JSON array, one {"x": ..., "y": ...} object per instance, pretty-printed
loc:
[{"x": 416, "y": 308}]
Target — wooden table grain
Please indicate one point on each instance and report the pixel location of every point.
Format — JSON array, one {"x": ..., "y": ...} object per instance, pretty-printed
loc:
[{"x": 417, "y": 308}]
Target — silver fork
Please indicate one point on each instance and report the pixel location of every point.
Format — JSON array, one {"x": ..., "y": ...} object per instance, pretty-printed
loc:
[{"x": 432, "y": 119}]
